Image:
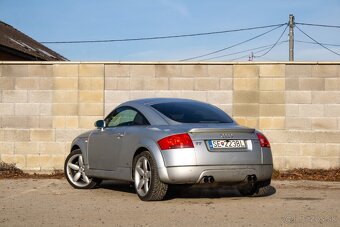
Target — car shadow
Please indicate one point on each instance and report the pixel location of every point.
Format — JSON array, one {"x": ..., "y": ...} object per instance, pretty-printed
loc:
[
  {"x": 121, "y": 186},
  {"x": 203, "y": 191},
  {"x": 196, "y": 191}
]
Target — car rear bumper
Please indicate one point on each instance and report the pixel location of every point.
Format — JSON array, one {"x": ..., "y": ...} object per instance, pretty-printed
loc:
[{"x": 221, "y": 173}]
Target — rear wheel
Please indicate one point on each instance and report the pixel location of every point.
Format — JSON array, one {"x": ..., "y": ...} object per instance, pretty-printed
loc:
[
  {"x": 146, "y": 179},
  {"x": 247, "y": 190},
  {"x": 74, "y": 170},
  {"x": 263, "y": 188},
  {"x": 260, "y": 188}
]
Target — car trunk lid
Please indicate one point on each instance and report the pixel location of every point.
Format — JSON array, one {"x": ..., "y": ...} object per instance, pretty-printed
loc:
[{"x": 206, "y": 154}]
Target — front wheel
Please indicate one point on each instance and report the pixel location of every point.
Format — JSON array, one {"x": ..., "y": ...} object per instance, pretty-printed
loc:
[
  {"x": 74, "y": 170},
  {"x": 147, "y": 183}
]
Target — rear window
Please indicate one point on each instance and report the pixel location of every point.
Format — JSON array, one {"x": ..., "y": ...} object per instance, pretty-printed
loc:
[{"x": 192, "y": 112}]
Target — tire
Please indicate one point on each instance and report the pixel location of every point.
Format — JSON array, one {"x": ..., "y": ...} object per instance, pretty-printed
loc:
[
  {"x": 263, "y": 191},
  {"x": 260, "y": 188},
  {"x": 148, "y": 186},
  {"x": 74, "y": 171},
  {"x": 263, "y": 188},
  {"x": 247, "y": 190}
]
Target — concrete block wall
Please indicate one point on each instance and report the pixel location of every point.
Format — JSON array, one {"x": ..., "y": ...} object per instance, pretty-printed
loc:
[
  {"x": 43, "y": 106},
  {"x": 312, "y": 117},
  {"x": 206, "y": 83}
]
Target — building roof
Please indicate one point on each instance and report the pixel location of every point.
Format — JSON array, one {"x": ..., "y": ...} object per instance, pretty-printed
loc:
[{"x": 16, "y": 40}]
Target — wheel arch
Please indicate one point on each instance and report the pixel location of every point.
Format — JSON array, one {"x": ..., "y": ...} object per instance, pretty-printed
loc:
[
  {"x": 75, "y": 147},
  {"x": 140, "y": 150},
  {"x": 81, "y": 144},
  {"x": 154, "y": 151}
]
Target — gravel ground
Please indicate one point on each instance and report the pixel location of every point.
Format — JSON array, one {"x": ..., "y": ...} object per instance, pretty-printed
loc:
[{"x": 52, "y": 202}]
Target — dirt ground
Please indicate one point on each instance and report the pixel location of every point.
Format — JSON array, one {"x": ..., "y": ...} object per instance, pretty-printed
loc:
[{"x": 52, "y": 202}]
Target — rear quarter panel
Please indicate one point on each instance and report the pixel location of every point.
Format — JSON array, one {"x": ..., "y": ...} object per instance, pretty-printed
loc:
[
  {"x": 147, "y": 136},
  {"x": 267, "y": 157},
  {"x": 139, "y": 137}
]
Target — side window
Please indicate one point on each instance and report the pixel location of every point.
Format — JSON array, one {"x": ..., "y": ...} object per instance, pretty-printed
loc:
[{"x": 125, "y": 117}]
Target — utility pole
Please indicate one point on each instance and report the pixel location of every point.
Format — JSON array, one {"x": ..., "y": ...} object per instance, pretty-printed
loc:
[
  {"x": 291, "y": 37},
  {"x": 251, "y": 57}
]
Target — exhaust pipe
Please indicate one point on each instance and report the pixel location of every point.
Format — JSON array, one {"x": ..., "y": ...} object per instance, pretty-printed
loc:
[
  {"x": 205, "y": 180},
  {"x": 211, "y": 180},
  {"x": 208, "y": 179},
  {"x": 252, "y": 179}
]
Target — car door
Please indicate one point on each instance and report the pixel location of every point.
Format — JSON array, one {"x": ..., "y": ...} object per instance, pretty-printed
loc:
[
  {"x": 105, "y": 145},
  {"x": 103, "y": 149}
]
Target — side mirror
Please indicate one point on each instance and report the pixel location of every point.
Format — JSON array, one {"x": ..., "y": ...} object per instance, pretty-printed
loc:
[{"x": 99, "y": 124}]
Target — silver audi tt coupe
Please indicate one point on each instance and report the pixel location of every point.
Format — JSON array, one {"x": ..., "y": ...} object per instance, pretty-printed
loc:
[{"x": 158, "y": 142}]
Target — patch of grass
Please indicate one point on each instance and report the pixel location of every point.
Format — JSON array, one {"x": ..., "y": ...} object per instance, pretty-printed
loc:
[
  {"x": 9, "y": 170},
  {"x": 308, "y": 174}
]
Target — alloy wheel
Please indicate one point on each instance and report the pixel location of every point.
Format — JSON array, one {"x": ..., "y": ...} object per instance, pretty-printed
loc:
[
  {"x": 76, "y": 171},
  {"x": 142, "y": 176}
]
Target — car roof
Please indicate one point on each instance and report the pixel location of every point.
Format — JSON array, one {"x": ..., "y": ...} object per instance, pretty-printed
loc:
[
  {"x": 151, "y": 101},
  {"x": 151, "y": 114}
]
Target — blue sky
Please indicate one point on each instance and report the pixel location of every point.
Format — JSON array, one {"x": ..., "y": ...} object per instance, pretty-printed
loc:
[{"x": 64, "y": 20}]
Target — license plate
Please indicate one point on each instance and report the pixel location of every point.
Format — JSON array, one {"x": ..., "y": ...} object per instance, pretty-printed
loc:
[{"x": 226, "y": 144}]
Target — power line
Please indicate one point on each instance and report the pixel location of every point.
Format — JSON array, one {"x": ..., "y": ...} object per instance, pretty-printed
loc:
[
  {"x": 244, "y": 56},
  {"x": 273, "y": 44},
  {"x": 234, "y": 45},
  {"x": 317, "y": 42},
  {"x": 326, "y": 44},
  {"x": 259, "y": 51},
  {"x": 160, "y": 37},
  {"x": 243, "y": 51},
  {"x": 266, "y": 47},
  {"x": 320, "y": 25}
]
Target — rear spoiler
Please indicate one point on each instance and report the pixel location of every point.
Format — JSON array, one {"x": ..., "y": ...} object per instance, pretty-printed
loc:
[{"x": 221, "y": 130}]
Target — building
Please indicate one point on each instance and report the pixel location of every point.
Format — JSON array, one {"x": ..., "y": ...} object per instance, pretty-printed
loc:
[{"x": 16, "y": 46}]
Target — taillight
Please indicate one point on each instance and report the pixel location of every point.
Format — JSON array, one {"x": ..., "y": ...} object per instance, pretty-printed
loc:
[
  {"x": 263, "y": 140},
  {"x": 175, "y": 142}
]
